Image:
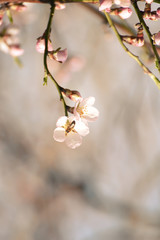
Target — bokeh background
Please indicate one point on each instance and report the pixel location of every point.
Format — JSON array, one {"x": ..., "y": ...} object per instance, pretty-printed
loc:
[{"x": 109, "y": 188}]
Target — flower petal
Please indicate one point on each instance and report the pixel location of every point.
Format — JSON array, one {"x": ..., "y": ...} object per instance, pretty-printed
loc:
[
  {"x": 73, "y": 140},
  {"x": 59, "y": 134},
  {"x": 105, "y": 4},
  {"x": 91, "y": 114},
  {"x": 61, "y": 121},
  {"x": 87, "y": 101},
  {"x": 81, "y": 128}
]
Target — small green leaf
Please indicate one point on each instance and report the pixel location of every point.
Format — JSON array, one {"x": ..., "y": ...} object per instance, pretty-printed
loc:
[
  {"x": 9, "y": 15},
  {"x": 45, "y": 80},
  {"x": 18, "y": 62},
  {"x": 157, "y": 63}
]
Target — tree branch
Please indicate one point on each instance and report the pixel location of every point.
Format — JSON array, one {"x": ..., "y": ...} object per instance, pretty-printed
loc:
[{"x": 49, "y": 1}]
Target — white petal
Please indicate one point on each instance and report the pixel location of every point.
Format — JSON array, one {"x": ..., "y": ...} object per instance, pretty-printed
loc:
[
  {"x": 59, "y": 134},
  {"x": 81, "y": 128},
  {"x": 73, "y": 140},
  {"x": 87, "y": 101},
  {"x": 123, "y": 3},
  {"x": 61, "y": 121},
  {"x": 91, "y": 114},
  {"x": 105, "y": 4}
]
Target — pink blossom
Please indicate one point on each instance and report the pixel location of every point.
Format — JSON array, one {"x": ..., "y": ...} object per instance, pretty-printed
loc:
[
  {"x": 61, "y": 55},
  {"x": 70, "y": 131},
  {"x": 15, "y": 50},
  {"x": 19, "y": 7},
  {"x": 123, "y": 3},
  {"x": 149, "y": 1},
  {"x": 125, "y": 13},
  {"x": 84, "y": 109},
  {"x": 158, "y": 12},
  {"x": 156, "y": 38},
  {"x": 105, "y": 4},
  {"x": 60, "y": 6},
  {"x": 40, "y": 45}
]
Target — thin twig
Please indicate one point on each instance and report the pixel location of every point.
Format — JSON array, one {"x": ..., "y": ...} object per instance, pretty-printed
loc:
[
  {"x": 134, "y": 3},
  {"x": 136, "y": 58},
  {"x": 47, "y": 72}
]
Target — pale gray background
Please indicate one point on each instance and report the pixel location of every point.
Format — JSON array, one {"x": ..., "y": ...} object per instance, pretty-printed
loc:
[{"x": 109, "y": 188}]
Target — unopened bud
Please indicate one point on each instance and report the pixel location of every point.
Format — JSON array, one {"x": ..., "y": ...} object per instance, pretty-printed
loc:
[
  {"x": 40, "y": 45},
  {"x": 149, "y": 1},
  {"x": 151, "y": 16},
  {"x": 123, "y": 13},
  {"x": 19, "y": 7},
  {"x": 59, "y": 56},
  {"x": 71, "y": 94},
  {"x": 156, "y": 38},
  {"x": 60, "y": 6},
  {"x": 105, "y": 4},
  {"x": 12, "y": 30},
  {"x": 135, "y": 41},
  {"x": 158, "y": 12},
  {"x": 123, "y": 3},
  {"x": 15, "y": 50}
]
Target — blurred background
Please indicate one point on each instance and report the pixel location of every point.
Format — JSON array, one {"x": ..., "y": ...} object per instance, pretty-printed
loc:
[{"x": 109, "y": 188}]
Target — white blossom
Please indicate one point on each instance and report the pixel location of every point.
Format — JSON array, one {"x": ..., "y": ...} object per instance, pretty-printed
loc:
[
  {"x": 84, "y": 109},
  {"x": 70, "y": 130}
]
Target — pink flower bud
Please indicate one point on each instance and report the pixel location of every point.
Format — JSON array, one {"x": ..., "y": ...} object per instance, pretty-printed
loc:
[
  {"x": 149, "y": 1},
  {"x": 123, "y": 3},
  {"x": 40, "y": 45},
  {"x": 151, "y": 16},
  {"x": 19, "y": 7},
  {"x": 156, "y": 38},
  {"x": 123, "y": 13},
  {"x": 104, "y": 4},
  {"x": 135, "y": 41},
  {"x": 1, "y": 18},
  {"x": 15, "y": 50},
  {"x": 158, "y": 12},
  {"x": 60, "y": 6},
  {"x": 60, "y": 56},
  {"x": 71, "y": 94}
]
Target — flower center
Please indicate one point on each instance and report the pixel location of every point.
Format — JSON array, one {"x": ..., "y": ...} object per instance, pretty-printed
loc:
[{"x": 70, "y": 127}]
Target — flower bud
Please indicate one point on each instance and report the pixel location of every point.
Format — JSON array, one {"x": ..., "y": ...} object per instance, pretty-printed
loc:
[
  {"x": 123, "y": 13},
  {"x": 71, "y": 94},
  {"x": 158, "y": 12},
  {"x": 60, "y": 6},
  {"x": 149, "y": 1},
  {"x": 135, "y": 41},
  {"x": 156, "y": 38},
  {"x": 40, "y": 45},
  {"x": 19, "y": 7},
  {"x": 105, "y": 4},
  {"x": 59, "y": 55},
  {"x": 15, "y": 50},
  {"x": 123, "y": 3}
]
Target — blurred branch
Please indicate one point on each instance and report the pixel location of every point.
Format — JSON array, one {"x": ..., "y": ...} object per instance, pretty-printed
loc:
[
  {"x": 49, "y": 1},
  {"x": 136, "y": 58}
]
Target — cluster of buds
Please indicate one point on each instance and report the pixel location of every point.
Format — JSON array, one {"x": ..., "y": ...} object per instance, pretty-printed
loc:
[
  {"x": 150, "y": 15},
  {"x": 71, "y": 129},
  {"x": 107, "y": 4},
  {"x": 137, "y": 41},
  {"x": 9, "y": 42},
  {"x": 19, "y": 7},
  {"x": 58, "y": 54}
]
